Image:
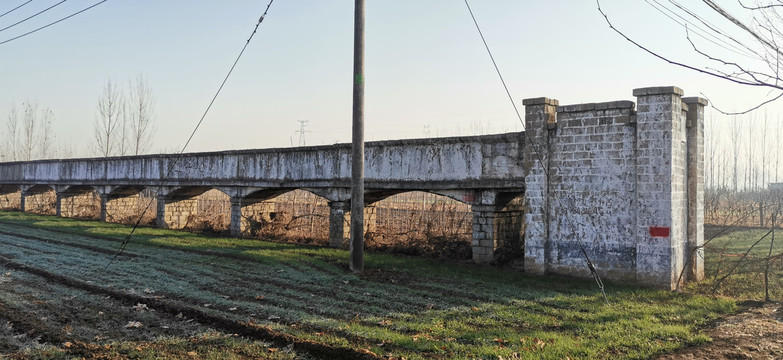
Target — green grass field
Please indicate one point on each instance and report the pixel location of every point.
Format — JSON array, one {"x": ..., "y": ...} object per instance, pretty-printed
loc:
[
  {"x": 735, "y": 263},
  {"x": 400, "y": 307}
]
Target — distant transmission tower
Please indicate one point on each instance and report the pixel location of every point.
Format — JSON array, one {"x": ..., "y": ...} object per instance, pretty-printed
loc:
[{"x": 301, "y": 131}]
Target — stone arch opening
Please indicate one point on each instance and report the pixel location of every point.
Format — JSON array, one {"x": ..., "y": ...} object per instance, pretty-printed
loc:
[
  {"x": 39, "y": 199},
  {"x": 81, "y": 202},
  {"x": 286, "y": 214},
  {"x": 201, "y": 208},
  {"x": 421, "y": 223},
  {"x": 10, "y": 197},
  {"x": 510, "y": 228},
  {"x": 129, "y": 204},
  {"x": 212, "y": 214}
]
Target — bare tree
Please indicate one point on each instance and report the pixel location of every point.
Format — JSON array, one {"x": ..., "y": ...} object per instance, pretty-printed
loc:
[
  {"x": 735, "y": 135},
  {"x": 765, "y": 150},
  {"x": 732, "y": 50},
  {"x": 123, "y": 135},
  {"x": 777, "y": 149},
  {"x": 750, "y": 154},
  {"x": 46, "y": 142},
  {"x": 141, "y": 109},
  {"x": 11, "y": 141},
  {"x": 29, "y": 131},
  {"x": 711, "y": 142},
  {"x": 109, "y": 108}
]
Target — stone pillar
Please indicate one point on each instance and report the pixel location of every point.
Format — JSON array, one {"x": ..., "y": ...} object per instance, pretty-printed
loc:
[
  {"x": 236, "y": 216},
  {"x": 58, "y": 204},
  {"x": 370, "y": 218},
  {"x": 695, "y": 127},
  {"x": 104, "y": 203},
  {"x": 486, "y": 221},
  {"x": 23, "y": 194},
  {"x": 661, "y": 234},
  {"x": 160, "y": 216},
  {"x": 540, "y": 115},
  {"x": 338, "y": 211}
]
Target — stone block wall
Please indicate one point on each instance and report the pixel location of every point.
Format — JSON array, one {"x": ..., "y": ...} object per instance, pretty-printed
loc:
[
  {"x": 44, "y": 203},
  {"x": 84, "y": 205},
  {"x": 616, "y": 181},
  {"x": 119, "y": 209},
  {"x": 256, "y": 213},
  {"x": 591, "y": 187},
  {"x": 11, "y": 200},
  {"x": 177, "y": 212}
]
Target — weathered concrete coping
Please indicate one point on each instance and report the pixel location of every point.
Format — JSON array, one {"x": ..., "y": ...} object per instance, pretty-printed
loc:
[
  {"x": 540, "y": 101},
  {"x": 621, "y": 104},
  {"x": 492, "y": 138},
  {"x": 658, "y": 90},
  {"x": 695, "y": 100}
]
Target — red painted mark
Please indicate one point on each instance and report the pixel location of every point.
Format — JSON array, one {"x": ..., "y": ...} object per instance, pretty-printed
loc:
[
  {"x": 659, "y": 231},
  {"x": 468, "y": 198}
]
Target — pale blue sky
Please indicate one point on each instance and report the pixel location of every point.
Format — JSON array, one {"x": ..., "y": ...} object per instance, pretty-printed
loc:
[{"x": 426, "y": 65}]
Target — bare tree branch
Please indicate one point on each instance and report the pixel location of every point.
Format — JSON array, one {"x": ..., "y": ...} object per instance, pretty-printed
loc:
[{"x": 765, "y": 31}]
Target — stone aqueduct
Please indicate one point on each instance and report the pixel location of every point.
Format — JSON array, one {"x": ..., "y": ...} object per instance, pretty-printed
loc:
[{"x": 625, "y": 183}]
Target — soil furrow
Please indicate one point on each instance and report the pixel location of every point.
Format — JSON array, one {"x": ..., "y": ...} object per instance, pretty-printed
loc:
[
  {"x": 69, "y": 244},
  {"x": 221, "y": 323}
]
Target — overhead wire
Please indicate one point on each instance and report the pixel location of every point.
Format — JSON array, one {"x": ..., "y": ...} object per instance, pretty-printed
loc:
[
  {"x": 165, "y": 178},
  {"x": 52, "y": 23},
  {"x": 33, "y": 15},
  {"x": 495, "y": 64},
  {"x": 590, "y": 265},
  {"x": 16, "y": 8}
]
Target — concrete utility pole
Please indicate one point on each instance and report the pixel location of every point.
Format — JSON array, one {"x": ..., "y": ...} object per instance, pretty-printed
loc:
[{"x": 356, "y": 262}]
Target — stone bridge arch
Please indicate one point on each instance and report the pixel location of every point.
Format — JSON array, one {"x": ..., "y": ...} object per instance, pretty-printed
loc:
[
  {"x": 177, "y": 205},
  {"x": 640, "y": 163},
  {"x": 254, "y": 205},
  {"x": 39, "y": 199},
  {"x": 78, "y": 201},
  {"x": 121, "y": 203}
]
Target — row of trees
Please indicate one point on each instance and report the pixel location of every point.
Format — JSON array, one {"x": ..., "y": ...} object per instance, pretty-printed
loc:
[
  {"x": 743, "y": 152},
  {"x": 124, "y": 125},
  {"x": 28, "y": 133}
]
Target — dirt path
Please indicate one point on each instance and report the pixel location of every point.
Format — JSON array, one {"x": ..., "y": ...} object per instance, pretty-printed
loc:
[{"x": 756, "y": 333}]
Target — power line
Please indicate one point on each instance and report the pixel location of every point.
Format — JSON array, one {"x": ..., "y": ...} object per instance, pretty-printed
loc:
[
  {"x": 590, "y": 265},
  {"x": 176, "y": 159},
  {"x": 14, "y": 9},
  {"x": 34, "y": 15},
  {"x": 495, "y": 64},
  {"x": 53, "y": 23}
]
